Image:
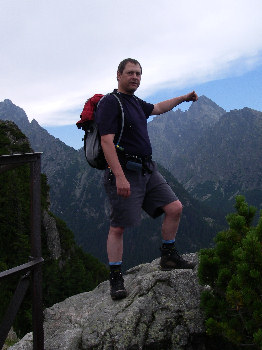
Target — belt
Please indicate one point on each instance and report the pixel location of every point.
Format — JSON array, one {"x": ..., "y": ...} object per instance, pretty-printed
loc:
[
  {"x": 125, "y": 157},
  {"x": 133, "y": 157},
  {"x": 140, "y": 159}
]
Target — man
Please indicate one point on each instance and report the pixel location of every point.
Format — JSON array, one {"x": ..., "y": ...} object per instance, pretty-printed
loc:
[{"x": 132, "y": 181}]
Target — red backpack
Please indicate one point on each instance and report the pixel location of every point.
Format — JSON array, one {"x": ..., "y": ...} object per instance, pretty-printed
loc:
[
  {"x": 88, "y": 110},
  {"x": 92, "y": 140}
]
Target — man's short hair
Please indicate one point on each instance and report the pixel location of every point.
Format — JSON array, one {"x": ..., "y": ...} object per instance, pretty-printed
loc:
[{"x": 123, "y": 63}]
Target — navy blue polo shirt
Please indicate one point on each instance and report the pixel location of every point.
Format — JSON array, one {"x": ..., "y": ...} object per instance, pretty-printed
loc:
[{"x": 135, "y": 139}]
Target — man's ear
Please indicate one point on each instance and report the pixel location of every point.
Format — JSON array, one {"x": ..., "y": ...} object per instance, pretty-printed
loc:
[{"x": 118, "y": 75}]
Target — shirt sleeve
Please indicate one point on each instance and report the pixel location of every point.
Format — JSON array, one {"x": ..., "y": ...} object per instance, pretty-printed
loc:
[
  {"x": 107, "y": 116},
  {"x": 147, "y": 107}
]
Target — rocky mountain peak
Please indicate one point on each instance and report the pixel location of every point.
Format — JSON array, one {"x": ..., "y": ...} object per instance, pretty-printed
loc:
[
  {"x": 34, "y": 122},
  {"x": 8, "y": 102},
  {"x": 205, "y": 102},
  {"x": 9, "y": 111},
  {"x": 205, "y": 109}
]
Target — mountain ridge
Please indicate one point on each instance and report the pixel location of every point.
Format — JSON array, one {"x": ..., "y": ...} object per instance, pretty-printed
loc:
[{"x": 215, "y": 162}]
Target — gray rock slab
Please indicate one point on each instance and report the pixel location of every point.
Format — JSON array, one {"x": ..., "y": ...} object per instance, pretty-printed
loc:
[{"x": 161, "y": 312}]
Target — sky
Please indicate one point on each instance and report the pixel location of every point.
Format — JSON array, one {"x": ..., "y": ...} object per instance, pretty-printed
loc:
[{"x": 56, "y": 54}]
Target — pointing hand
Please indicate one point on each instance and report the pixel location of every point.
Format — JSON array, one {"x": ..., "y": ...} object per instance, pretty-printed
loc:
[{"x": 192, "y": 96}]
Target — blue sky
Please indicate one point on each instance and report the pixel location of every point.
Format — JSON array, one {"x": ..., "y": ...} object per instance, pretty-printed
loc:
[
  {"x": 56, "y": 54},
  {"x": 229, "y": 93}
]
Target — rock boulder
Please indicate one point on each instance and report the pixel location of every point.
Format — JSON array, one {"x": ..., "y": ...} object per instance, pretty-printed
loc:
[{"x": 161, "y": 312}]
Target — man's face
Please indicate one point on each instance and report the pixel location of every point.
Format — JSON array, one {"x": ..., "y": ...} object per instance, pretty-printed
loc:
[{"x": 129, "y": 80}]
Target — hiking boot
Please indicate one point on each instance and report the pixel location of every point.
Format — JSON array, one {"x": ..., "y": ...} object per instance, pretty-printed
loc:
[
  {"x": 170, "y": 259},
  {"x": 117, "y": 288}
]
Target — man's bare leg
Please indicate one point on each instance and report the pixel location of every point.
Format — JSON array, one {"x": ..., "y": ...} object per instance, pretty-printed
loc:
[
  {"x": 171, "y": 221},
  {"x": 115, "y": 244},
  {"x": 170, "y": 259}
]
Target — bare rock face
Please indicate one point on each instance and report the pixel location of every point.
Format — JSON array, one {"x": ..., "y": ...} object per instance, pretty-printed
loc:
[
  {"x": 53, "y": 239},
  {"x": 161, "y": 312}
]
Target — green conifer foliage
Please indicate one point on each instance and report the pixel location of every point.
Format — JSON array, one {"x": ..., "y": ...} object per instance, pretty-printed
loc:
[{"x": 232, "y": 274}]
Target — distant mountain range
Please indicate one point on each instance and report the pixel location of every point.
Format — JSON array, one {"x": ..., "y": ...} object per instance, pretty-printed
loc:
[{"x": 213, "y": 154}]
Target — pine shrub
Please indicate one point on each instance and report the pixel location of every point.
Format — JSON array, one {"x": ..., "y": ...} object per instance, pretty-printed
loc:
[{"x": 232, "y": 274}]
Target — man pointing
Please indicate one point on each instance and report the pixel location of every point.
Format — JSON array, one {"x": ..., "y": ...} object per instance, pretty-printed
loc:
[{"x": 132, "y": 181}]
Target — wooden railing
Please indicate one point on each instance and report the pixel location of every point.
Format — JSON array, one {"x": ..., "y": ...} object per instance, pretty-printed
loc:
[{"x": 32, "y": 268}]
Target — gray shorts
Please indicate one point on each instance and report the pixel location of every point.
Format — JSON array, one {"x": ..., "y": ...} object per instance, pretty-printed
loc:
[{"x": 149, "y": 192}]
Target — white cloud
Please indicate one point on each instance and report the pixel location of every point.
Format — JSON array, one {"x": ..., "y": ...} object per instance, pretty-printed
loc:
[{"x": 54, "y": 54}]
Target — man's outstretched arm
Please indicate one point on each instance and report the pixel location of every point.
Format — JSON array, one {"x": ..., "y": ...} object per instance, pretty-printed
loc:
[{"x": 165, "y": 106}]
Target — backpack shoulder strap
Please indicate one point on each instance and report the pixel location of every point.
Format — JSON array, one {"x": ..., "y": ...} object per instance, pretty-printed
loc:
[
  {"x": 123, "y": 119},
  {"x": 122, "y": 115}
]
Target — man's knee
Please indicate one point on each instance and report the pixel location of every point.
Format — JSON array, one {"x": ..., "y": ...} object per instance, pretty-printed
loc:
[
  {"x": 173, "y": 209},
  {"x": 116, "y": 231}
]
